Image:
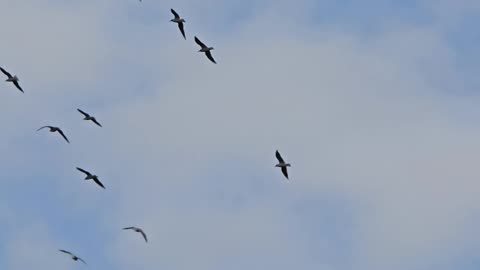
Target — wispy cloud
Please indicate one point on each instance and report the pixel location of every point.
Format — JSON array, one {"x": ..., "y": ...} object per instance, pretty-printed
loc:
[{"x": 383, "y": 147}]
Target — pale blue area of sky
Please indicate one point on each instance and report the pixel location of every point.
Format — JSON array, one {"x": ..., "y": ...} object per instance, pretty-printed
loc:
[{"x": 29, "y": 192}]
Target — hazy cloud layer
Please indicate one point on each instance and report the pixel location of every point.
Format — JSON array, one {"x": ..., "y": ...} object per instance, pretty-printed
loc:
[{"x": 380, "y": 127}]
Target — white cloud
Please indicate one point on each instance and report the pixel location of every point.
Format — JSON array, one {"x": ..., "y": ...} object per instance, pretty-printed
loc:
[{"x": 367, "y": 120}]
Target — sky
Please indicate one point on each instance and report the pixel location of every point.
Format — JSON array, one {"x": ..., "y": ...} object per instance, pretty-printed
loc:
[{"x": 374, "y": 103}]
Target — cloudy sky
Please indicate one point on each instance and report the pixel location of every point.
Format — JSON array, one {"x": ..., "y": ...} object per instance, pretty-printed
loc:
[{"x": 375, "y": 104}]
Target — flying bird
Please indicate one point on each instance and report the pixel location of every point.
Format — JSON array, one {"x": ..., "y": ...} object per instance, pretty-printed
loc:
[
  {"x": 55, "y": 129},
  {"x": 179, "y": 21},
  {"x": 282, "y": 164},
  {"x": 74, "y": 257},
  {"x": 89, "y": 117},
  {"x": 14, "y": 79},
  {"x": 90, "y": 176},
  {"x": 138, "y": 230},
  {"x": 205, "y": 49}
]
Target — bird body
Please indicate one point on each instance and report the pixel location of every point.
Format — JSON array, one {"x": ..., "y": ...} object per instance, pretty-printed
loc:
[
  {"x": 13, "y": 79},
  {"x": 205, "y": 49},
  {"x": 176, "y": 20}
]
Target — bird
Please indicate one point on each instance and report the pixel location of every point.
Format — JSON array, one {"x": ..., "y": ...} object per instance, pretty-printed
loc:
[
  {"x": 14, "y": 79},
  {"x": 205, "y": 49},
  {"x": 74, "y": 257},
  {"x": 91, "y": 177},
  {"x": 89, "y": 117},
  {"x": 179, "y": 21},
  {"x": 56, "y": 129},
  {"x": 138, "y": 230},
  {"x": 282, "y": 164}
]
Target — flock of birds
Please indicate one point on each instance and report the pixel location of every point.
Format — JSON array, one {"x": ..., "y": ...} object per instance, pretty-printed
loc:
[{"x": 88, "y": 175}]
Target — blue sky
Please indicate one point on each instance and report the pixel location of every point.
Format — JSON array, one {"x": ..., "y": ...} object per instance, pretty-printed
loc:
[{"x": 375, "y": 104}]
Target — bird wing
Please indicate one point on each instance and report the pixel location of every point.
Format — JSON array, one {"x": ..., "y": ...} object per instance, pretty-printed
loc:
[
  {"x": 129, "y": 228},
  {"x": 209, "y": 56},
  {"x": 18, "y": 86},
  {"x": 175, "y": 14},
  {"x": 182, "y": 30},
  {"x": 285, "y": 172},
  {"x": 44, "y": 127},
  {"x": 98, "y": 182},
  {"x": 95, "y": 121},
  {"x": 279, "y": 157},
  {"x": 80, "y": 259},
  {"x": 199, "y": 42},
  {"x": 85, "y": 172},
  {"x": 67, "y": 252},
  {"x": 144, "y": 235},
  {"x": 84, "y": 113},
  {"x": 63, "y": 135},
  {"x": 6, "y": 72}
]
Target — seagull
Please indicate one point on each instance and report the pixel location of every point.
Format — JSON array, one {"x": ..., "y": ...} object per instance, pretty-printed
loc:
[
  {"x": 91, "y": 177},
  {"x": 282, "y": 164},
  {"x": 138, "y": 230},
  {"x": 74, "y": 257},
  {"x": 205, "y": 49},
  {"x": 179, "y": 21},
  {"x": 55, "y": 129},
  {"x": 89, "y": 117},
  {"x": 14, "y": 79}
]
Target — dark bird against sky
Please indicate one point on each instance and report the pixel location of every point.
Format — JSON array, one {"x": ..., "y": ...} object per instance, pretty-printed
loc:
[
  {"x": 55, "y": 129},
  {"x": 89, "y": 117},
  {"x": 138, "y": 230},
  {"x": 90, "y": 176},
  {"x": 282, "y": 164},
  {"x": 205, "y": 49},
  {"x": 179, "y": 21},
  {"x": 14, "y": 79},
  {"x": 74, "y": 257}
]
